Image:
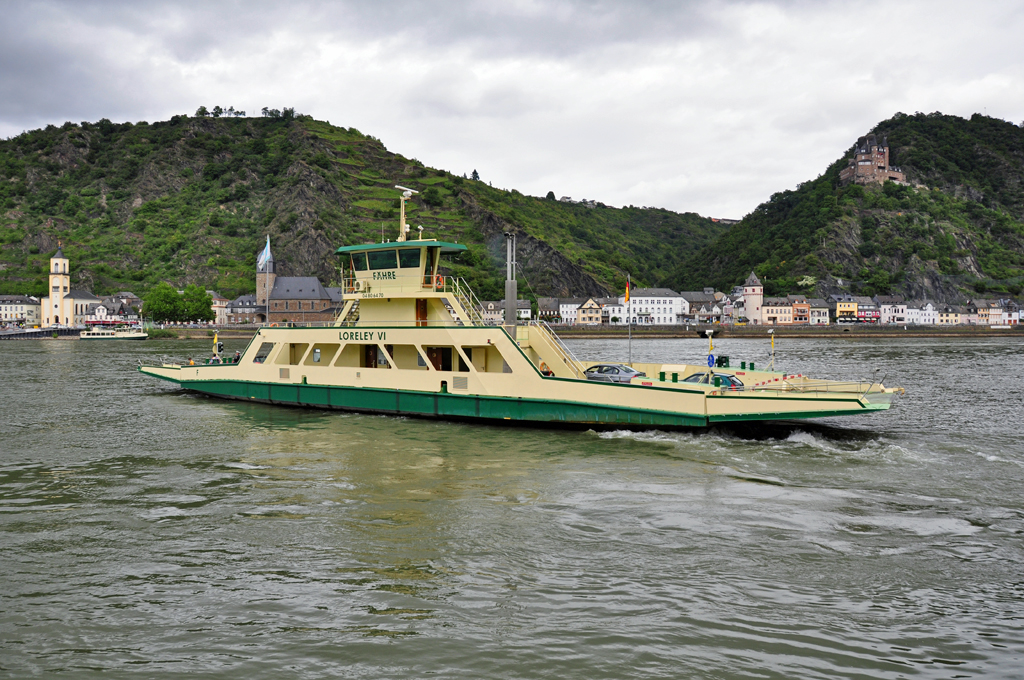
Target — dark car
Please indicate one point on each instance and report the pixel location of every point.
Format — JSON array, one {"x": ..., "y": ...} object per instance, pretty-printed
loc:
[
  {"x": 617, "y": 373},
  {"x": 702, "y": 378}
]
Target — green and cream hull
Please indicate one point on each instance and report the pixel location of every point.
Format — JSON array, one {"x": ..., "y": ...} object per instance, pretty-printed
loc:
[{"x": 493, "y": 377}]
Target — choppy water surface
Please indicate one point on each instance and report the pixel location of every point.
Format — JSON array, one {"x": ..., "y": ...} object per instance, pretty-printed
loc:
[{"x": 146, "y": 532}]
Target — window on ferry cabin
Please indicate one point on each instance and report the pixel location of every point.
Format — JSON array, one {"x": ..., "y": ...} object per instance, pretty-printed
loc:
[
  {"x": 433, "y": 253},
  {"x": 263, "y": 352},
  {"x": 409, "y": 258},
  {"x": 322, "y": 353},
  {"x": 359, "y": 262},
  {"x": 406, "y": 357},
  {"x": 446, "y": 359},
  {"x": 382, "y": 259},
  {"x": 293, "y": 355},
  {"x": 487, "y": 359}
]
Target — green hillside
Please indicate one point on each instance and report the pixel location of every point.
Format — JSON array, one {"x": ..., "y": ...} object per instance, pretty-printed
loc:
[
  {"x": 958, "y": 230},
  {"x": 191, "y": 199}
]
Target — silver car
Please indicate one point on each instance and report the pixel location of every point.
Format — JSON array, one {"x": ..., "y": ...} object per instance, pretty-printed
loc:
[
  {"x": 617, "y": 373},
  {"x": 727, "y": 380}
]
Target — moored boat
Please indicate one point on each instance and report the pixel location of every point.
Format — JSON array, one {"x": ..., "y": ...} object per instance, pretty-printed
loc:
[{"x": 114, "y": 334}]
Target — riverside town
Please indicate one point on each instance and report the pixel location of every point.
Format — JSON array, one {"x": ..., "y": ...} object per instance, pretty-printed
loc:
[{"x": 303, "y": 300}]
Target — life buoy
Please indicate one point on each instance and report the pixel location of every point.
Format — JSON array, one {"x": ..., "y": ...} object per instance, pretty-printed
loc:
[
  {"x": 544, "y": 368},
  {"x": 439, "y": 282}
]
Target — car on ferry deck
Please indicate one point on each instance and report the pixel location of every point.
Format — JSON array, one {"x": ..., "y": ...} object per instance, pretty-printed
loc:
[{"x": 617, "y": 373}]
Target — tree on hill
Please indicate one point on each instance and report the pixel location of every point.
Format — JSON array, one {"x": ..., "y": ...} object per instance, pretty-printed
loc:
[
  {"x": 432, "y": 197},
  {"x": 162, "y": 303},
  {"x": 197, "y": 304},
  {"x": 475, "y": 175}
]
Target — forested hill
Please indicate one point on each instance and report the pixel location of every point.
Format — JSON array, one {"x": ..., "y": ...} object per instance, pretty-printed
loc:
[
  {"x": 191, "y": 199},
  {"x": 957, "y": 231}
]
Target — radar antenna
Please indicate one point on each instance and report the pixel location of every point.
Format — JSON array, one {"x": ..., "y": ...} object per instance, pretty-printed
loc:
[{"x": 406, "y": 195}]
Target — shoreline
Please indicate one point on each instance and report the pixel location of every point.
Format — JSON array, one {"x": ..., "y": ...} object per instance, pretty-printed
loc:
[
  {"x": 761, "y": 332},
  {"x": 681, "y": 332},
  {"x": 742, "y": 332}
]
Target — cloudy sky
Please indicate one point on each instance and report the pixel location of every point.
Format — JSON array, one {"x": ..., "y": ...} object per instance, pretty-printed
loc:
[{"x": 704, "y": 106}]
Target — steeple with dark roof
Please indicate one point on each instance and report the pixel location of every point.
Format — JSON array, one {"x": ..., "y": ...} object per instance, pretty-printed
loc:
[
  {"x": 266, "y": 275},
  {"x": 752, "y": 280}
]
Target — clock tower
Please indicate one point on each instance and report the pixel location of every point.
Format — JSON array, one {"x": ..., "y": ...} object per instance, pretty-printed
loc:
[{"x": 56, "y": 309}]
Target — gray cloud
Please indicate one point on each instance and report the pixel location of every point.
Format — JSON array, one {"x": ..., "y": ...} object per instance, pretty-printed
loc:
[{"x": 705, "y": 106}]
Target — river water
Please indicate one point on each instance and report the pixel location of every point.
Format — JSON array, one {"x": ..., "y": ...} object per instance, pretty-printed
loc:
[{"x": 145, "y": 532}]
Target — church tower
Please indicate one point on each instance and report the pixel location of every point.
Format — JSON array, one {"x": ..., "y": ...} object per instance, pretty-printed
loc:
[
  {"x": 753, "y": 298},
  {"x": 56, "y": 309},
  {"x": 265, "y": 275}
]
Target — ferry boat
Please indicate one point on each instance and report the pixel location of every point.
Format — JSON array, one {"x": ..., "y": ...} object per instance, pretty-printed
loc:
[
  {"x": 410, "y": 341},
  {"x": 114, "y": 334}
]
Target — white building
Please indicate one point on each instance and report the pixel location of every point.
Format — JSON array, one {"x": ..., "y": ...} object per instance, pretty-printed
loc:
[
  {"x": 1010, "y": 312},
  {"x": 567, "y": 309},
  {"x": 653, "y": 306},
  {"x": 613, "y": 311},
  {"x": 929, "y": 314},
  {"x": 922, "y": 313},
  {"x": 494, "y": 311},
  {"x": 892, "y": 309},
  {"x": 818, "y": 312},
  {"x": 220, "y": 307},
  {"x": 19, "y": 309},
  {"x": 110, "y": 312},
  {"x": 698, "y": 304}
]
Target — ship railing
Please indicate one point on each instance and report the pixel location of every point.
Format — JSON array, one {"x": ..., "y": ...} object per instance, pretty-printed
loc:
[
  {"x": 348, "y": 313},
  {"x": 818, "y": 386},
  {"x": 565, "y": 354},
  {"x": 412, "y": 323},
  {"x": 467, "y": 298},
  {"x": 227, "y": 359},
  {"x": 798, "y": 384},
  {"x": 293, "y": 324},
  {"x": 439, "y": 283}
]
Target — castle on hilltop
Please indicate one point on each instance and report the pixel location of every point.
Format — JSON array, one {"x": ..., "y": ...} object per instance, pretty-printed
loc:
[{"x": 870, "y": 164}]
